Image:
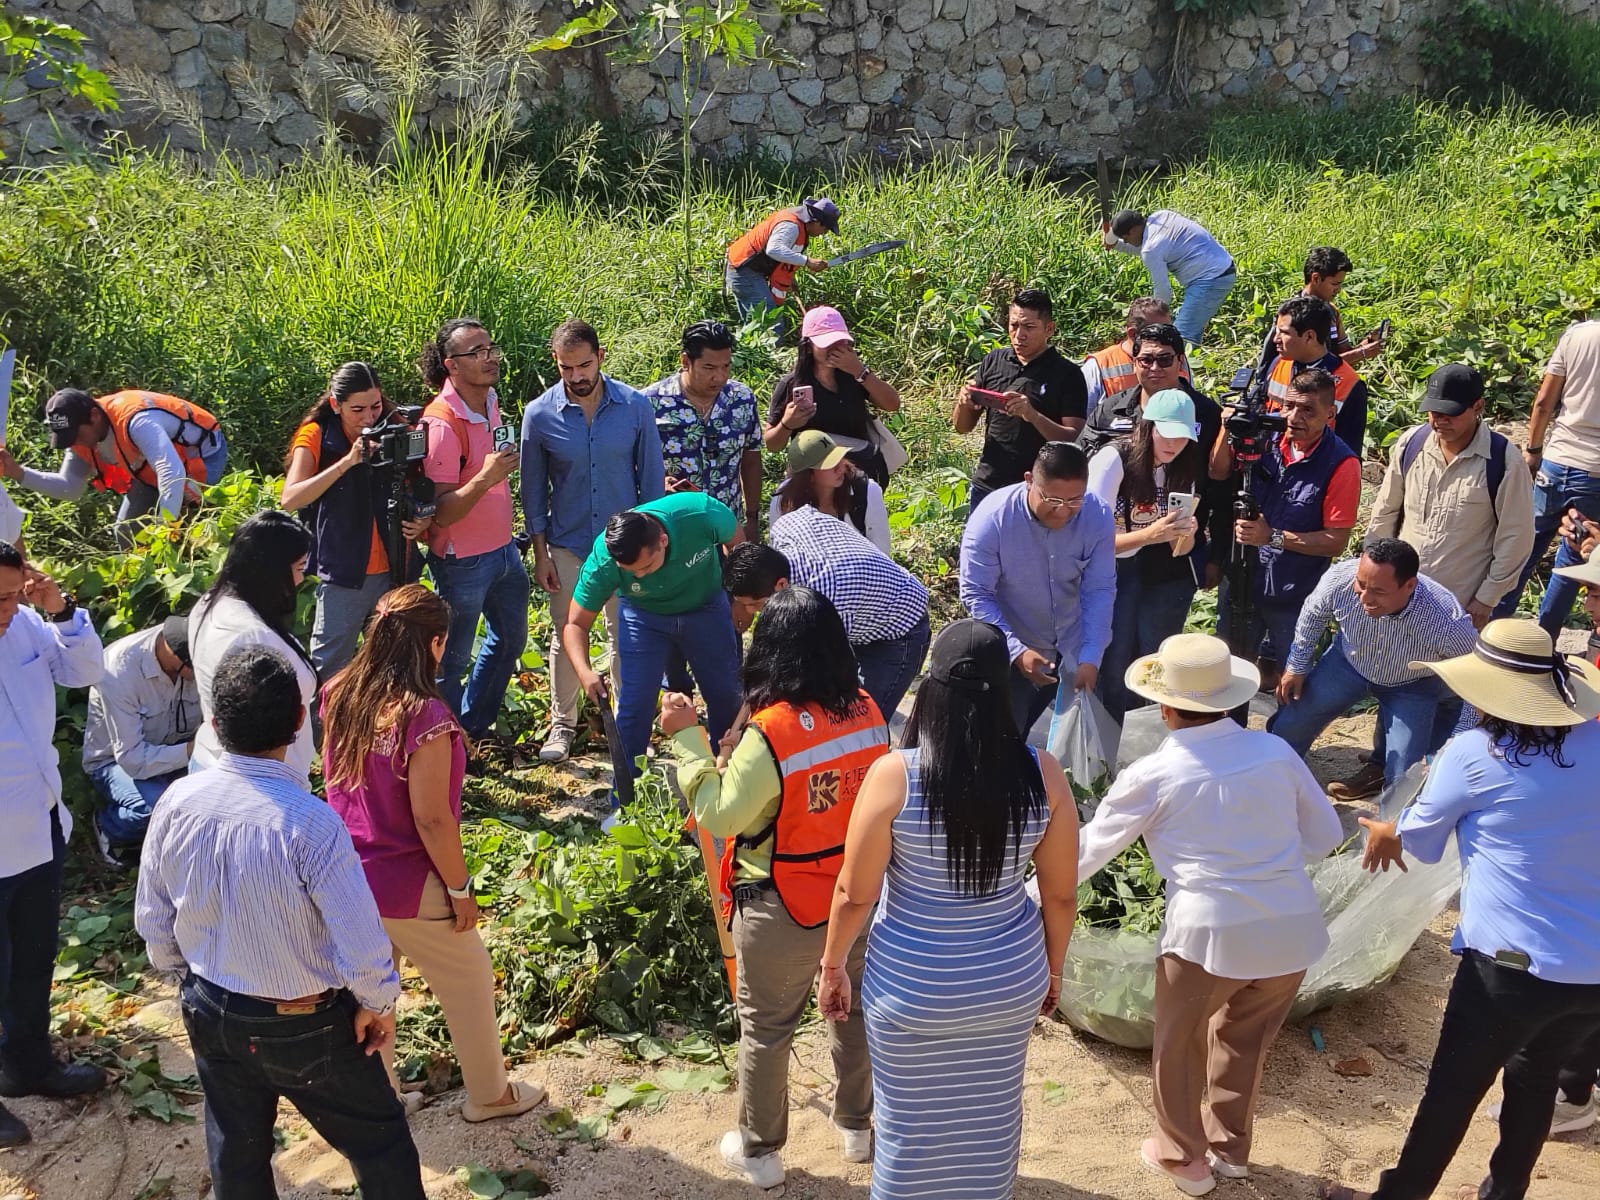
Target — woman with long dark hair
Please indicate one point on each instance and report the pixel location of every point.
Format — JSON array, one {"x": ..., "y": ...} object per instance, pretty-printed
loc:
[
  {"x": 822, "y": 475},
  {"x": 394, "y": 757},
  {"x": 959, "y": 964},
  {"x": 1157, "y": 545},
  {"x": 326, "y": 472},
  {"x": 252, "y": 603},
  {"x": 781, "y": 793},
  {"x": 843, "y": 391},
  {"x": 1517, "y": 794}
]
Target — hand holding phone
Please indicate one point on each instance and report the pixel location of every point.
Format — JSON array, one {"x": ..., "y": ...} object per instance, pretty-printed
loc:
[
  {"x": 505, "y": 438},
  {"x": 800, "y": 409},
  {"x": 985, "y": 397}
]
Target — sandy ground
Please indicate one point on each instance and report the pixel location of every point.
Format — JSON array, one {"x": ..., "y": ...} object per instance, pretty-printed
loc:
[{"x": 1080, "y": 1138}]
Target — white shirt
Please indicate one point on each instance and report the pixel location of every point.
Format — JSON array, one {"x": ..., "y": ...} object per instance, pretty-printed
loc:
[
  {"x": 228, "y": 624},
  {"x": 1231, "y": 818},
  {"x": 139, "y": 717},
  {"x": 11, "y": 518},
  {"x": 35, "y": 656},
  {"x": 877, "y": 517},
  {"x": 1106, "y": 473},
  {"x": 1175, "y": 245}
]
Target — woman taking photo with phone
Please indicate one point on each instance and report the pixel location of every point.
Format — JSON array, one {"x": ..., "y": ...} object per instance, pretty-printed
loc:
[
  {"x": 394, "y": 757},
  {"x": 821, "y": 475},
  {"x": 1150, "y": 479},
  {"x": 327, "y": 473}
]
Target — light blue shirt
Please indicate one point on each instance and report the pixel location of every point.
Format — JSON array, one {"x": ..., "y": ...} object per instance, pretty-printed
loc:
[
  {"x": 35, "y": 656},
  {"x": 1529, "y": 838},
  {"x": 1049, "y": 590},
  {"x": 252, "y": 882},
  {"x": 1175, "y": 245},
  {"x": 576, "y": 475}
]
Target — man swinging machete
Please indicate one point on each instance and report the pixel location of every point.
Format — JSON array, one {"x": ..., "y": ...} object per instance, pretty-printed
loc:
[{"x": 762, "y": 261}]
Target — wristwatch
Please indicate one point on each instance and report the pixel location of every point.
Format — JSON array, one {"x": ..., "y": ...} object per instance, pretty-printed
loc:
[
  {"x": 67, "y": 609},
  {"x": 462, "y": 892},
  {"x": 1276, "y": 540}
]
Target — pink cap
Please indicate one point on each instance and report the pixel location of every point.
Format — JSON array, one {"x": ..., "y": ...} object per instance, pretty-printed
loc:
[{"x": 824, "y": 326}]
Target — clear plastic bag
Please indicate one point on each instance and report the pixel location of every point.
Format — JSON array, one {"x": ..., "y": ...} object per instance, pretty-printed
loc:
[
  {"x": 1083, "y": 738},
  {"x": 1109, "y": 988}
]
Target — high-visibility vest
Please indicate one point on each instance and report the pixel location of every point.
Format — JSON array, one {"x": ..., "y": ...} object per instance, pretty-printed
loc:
[
  {"x": 1117, "y": 368},
  {"x": 749, "y": 250},
  {"x": 821, "y": 761},
  {"x": 121, "y": 407},
  {"x": 1344, "y": 382}
]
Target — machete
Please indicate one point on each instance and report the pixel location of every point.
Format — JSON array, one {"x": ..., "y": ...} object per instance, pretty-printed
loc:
[
  {"x": 621, "y": 764},
  {"x": 866, "y": 252},
  {"x": 1102, "y": 187},
  {"x": 8, "y": 365}
]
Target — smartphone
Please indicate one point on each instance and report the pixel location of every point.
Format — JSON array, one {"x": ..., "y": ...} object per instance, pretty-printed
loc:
[
  {"x": 505, "y": 438},
  {"x": 1185, "y": 504},
  {"x": 985, "y": 396},
  {"x": 800, "y": 393},
  {"x": 1382, "y": 332}
]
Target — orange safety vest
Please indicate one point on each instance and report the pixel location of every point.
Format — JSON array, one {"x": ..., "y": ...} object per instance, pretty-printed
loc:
[
  {"x": 1117, "y": 368},
  {"x": 122, "y": 407},
  {"x": 749, "y": 250},
  {"x": 821, "y": 762},
  {"x": 1344, "y": 381}
]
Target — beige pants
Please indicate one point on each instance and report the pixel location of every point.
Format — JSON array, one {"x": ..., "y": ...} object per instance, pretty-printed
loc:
[
  {"x": 778, "y": 964},
  {"x": 456, "y": 967},
  {"x": 565, "y": 694},
  {"x": 1212, "y": 1031}
]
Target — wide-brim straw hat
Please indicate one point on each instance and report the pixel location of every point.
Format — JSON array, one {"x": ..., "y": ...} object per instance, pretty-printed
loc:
[
  {"x": 1514, "y": 673},
  {"x": 1194, "y": 672},
  {"x": 1587, "y": 573}
]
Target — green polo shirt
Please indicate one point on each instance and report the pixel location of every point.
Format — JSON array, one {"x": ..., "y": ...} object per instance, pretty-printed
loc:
[{"x": 696, "y": 525}]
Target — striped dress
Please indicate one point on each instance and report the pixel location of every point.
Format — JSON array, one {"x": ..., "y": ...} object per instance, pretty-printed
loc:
[{"x": 952, "y": 987}]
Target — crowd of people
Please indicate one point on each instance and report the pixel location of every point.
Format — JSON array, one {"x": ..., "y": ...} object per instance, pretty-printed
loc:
[{"x": 890, "y": 878}]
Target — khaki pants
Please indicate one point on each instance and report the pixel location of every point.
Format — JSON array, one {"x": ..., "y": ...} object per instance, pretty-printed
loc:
[
  {"x": 456, "y": 967},
  {"x": 1212, "y": 1031},
  {"x": 565, "y": 694},
  {"x": 778, "y": 966}
]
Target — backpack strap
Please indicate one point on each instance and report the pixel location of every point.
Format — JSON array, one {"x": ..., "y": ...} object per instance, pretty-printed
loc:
[{"x": 1495, "y": 472}]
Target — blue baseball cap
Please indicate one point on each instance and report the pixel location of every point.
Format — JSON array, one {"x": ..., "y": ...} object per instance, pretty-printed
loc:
[
  {"x": 824, "y": 210},
  {"x": 1172, "y": 413}
]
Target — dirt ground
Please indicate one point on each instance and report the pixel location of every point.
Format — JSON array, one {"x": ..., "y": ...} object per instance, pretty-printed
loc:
[{"x": 1080, "y": 1136}]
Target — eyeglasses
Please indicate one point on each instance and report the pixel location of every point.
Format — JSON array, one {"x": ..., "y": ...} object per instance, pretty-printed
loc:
[
  {"x": 491, "y": 352},
  {"x": 1056, "y": 501},
  {"x": 1156, "y": 360}
]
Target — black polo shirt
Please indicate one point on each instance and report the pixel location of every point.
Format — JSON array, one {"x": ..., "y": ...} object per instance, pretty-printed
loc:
[{"x": 1051, "y": 382}]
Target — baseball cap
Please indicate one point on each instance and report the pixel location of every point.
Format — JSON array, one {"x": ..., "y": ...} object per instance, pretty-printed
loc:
[
  {"x": 824, "y": 210},
  {"x": 824, "y": 326},
  {"x": 65, "y": 413},
  {"x": 1172, "y": 413},
  {"x": 175, "y": 632},
  {"x": 972, "y": 656},
  {"x": 813, "y": 450},
  {"x": 1452, "y": 389}
]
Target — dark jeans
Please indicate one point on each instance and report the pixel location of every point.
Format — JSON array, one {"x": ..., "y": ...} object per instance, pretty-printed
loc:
[
  {"x": 975, "y": 494},
  {"x": 248, "y": 1056},
  {"x": 1496, "y": 1017},
  {"x": 1581, "y": 1071},
  {"x": 1555, "y": 489},
  {"x": 889, "y": 666},
  {"x": 126, "y": 802},
  {"x": 1270, "y": 632},
  {"x": 1028, "y": 703},
  {"x": 494, "y": 586},
  {"x": 1145, "y": 615},
  {"x": 30, "y": 912}
]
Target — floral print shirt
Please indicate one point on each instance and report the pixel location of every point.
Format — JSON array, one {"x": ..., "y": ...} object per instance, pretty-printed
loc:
[{"x": 708, "y": 451}]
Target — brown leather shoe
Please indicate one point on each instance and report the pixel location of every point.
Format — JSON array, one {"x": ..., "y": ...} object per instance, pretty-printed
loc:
[{"x": 1366, "y": 782}]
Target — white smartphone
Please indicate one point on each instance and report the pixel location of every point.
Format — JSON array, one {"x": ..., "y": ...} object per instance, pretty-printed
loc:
[{"x": 1185, "y": 504}]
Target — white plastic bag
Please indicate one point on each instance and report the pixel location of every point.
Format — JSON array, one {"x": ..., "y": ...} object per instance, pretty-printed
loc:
[{"x": 1083, "y": 738}]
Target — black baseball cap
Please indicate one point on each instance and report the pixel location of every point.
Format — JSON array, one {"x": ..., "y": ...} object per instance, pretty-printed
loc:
[
  {"x": 1452, "y": 389},
  {"x": 65, "y": 413},
  {"x": 824, "y": 210},
  {"x": 175, "y": 632},
  {"x": 971, "y": 656}
]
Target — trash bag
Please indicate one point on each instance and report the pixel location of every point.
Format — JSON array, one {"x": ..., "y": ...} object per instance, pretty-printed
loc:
[
  {"x": 1143, "y": 731},
  {"x": 1109, "y": 981},
  {"x": 1083, "y": 738}
]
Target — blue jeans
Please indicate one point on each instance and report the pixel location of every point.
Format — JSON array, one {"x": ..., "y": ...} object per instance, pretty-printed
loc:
[
  {"x": 142, "y": 498},
  {"x": 1146, "y": 614},
  {"x": 247, "y": 1055},
  {"x": 646, "y": 640},
  {"x": 1271, "y": 627},
  {"x": 1029, "y": 702},
  {"x": 128, "y": 802},
  {"x": 750, "y": 291},
  {"x": 494, "y": 586},
  {"x": 889, "y": 666},
  {"x": 341, "y": 613},
  {"x": 1416, "y": 717},
  {"x": 30, "y": 912},
  {"x": 1555, "y": 488},
  {"x": 1201, "y": 299}
]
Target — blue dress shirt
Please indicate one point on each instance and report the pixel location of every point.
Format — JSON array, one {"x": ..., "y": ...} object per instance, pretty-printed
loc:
[
  {"x": 1049, "y": 590},
  {"x": 576, "y": 475}
]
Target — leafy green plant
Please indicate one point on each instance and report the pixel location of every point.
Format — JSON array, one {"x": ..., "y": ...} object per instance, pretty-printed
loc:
[
  {"x": 157, "y": 1095},
  {"x": 1531, "y": 49},
  {"x": 519, "y": 1184},
  {"x": 39, "y": 56}
]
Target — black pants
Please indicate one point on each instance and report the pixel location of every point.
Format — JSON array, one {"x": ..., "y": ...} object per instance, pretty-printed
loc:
[
  {"x": 1496, "y": 1017},
  {"x": 248, "y": 1055},
  {"x": 30, "y": 916},
  {"x": 1581, "y": 1070}
]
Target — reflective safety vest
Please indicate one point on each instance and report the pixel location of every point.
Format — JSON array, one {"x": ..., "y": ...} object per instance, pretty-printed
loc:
[
  {"x": 821, "y": 761},
  {"x": 749, "y": 251},
  {"x": 1344, "y": 382},
  {"x": 1117, "y": 367},
  {"x": 197, "y": 428}
]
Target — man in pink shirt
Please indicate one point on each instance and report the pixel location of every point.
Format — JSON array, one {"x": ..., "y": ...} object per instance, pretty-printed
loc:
[{"x": 472, "y": 554}]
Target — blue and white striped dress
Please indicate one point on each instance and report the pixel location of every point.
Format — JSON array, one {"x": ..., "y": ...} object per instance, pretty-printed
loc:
[{"x": 952, "y": 988}]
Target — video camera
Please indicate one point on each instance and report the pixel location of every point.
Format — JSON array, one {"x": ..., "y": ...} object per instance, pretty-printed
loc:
[
  {"x": 1250, "y": 430},
  {"x": 397, "y": 440},
  {"x": 398, "y": 446}
]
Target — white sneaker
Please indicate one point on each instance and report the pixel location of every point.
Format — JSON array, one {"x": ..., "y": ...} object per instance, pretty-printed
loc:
[
  {"x": 1568, "y": 1117},
  {"x": 558, "y": 746},
  {"x": 1225, "y": 1168},
  {"x": 855, "y": 1145},
  {"x": 765, "y": 1171}
]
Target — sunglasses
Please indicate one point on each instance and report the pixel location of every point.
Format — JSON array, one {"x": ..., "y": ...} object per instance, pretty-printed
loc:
[{"x": 1156, "y": 360}]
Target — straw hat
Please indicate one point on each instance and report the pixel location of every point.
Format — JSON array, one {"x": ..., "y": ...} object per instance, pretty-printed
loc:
[
  {"x": 1194, "y": 672},
  {"x": 1586, "y": 573},
  {"x": 1514, "y": 673}
]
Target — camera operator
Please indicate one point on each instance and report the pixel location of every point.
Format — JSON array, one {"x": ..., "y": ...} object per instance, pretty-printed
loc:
[
  {"x": 1306, "y": 489},
  {"x": 328, "y": 473},
  {"x": 1303, "y": 336}
]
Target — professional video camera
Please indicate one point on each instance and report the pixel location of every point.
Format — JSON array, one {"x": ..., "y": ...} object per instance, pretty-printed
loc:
[
  {"x": 1250, "y": 431},
  {"x": 398, "y": 446}
]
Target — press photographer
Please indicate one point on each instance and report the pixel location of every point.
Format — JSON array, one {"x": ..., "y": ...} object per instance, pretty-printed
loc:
[{"x": 354, "y": 465}]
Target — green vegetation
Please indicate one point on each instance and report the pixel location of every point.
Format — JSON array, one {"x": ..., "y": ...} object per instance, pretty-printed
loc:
[
  {"x": 38, "y": 55},
  {"x": 1529, "y": 50}
]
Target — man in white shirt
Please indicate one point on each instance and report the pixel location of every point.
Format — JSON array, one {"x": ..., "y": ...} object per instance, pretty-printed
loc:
[
  {"x": 1170, "y": 243},
  {"x": 143, "y": 715},
  {"x": 37, "y": 653},
  {"x": 1231, "y": 817}
]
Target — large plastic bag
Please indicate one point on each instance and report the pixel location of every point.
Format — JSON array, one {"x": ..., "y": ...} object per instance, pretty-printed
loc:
[
  {"x": 1109, "y": 984},
  {"x": 1083, "y": 738}
]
